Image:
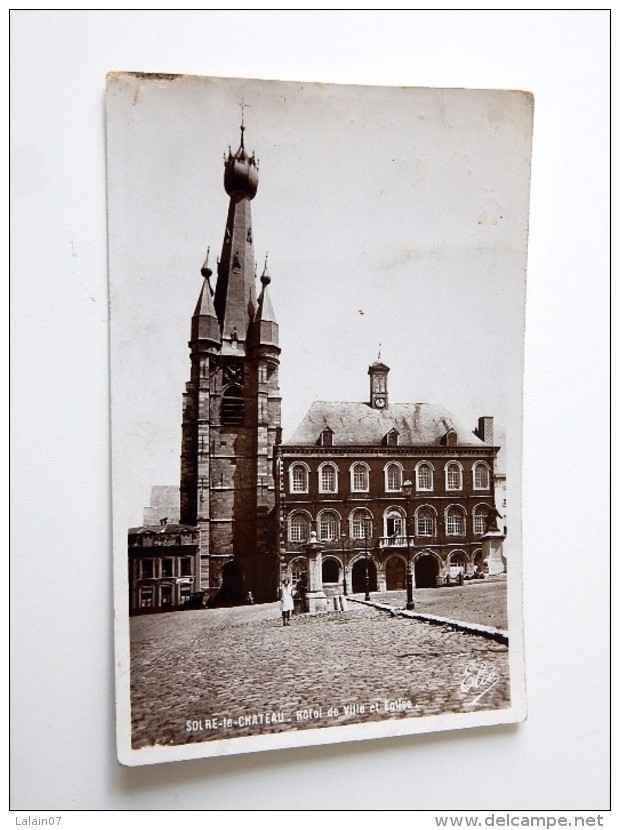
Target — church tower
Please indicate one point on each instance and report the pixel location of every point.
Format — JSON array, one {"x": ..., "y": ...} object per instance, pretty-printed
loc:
[{"x": 231, "y": 409}]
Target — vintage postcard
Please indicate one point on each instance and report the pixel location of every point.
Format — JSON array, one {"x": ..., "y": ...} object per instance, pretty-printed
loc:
[{"x": 317, "y": 301}]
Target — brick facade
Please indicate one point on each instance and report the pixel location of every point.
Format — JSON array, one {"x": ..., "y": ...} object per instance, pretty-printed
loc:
[{"x": 341, "y": 476}]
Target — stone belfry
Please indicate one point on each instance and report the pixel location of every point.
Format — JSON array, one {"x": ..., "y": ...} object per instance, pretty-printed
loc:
[{"x": 231, "y": 410}]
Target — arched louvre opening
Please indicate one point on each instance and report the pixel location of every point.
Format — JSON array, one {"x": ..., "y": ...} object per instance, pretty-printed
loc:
[{"x": 233, "y": 407}]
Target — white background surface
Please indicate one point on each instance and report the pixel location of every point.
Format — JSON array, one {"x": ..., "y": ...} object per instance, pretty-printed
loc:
[{"x": 62, "y": 718}]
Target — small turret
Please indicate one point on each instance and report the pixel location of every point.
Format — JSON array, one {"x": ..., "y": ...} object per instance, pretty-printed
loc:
[
  {"x": 265, "y": 321},
  {"x": 378, "y": 384},
  {"x": 205, "y": 325}
]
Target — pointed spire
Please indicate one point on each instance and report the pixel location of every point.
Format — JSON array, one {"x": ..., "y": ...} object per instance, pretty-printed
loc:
[
  {"x": 265, "y": 319},
  {"x": 265, "y": 278},
  {"x": 205, "y": 325},
  {"x": 205, "y": 270},
  {"x": 243, "y": 105},
  {"x": 235, "y": 292}
]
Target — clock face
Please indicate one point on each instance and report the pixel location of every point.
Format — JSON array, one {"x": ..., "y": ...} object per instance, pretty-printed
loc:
[{"x": 380, "y": 402}]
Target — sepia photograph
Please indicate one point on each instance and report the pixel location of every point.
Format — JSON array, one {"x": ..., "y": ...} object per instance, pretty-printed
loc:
[{"x": 317, "y": 301}]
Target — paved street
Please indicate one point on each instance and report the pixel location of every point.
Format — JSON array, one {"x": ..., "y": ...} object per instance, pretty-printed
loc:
[{"x": 230, "y": 672}]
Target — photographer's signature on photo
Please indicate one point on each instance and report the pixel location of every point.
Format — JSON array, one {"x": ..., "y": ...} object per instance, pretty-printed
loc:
[{"x": 479, "y": 678}]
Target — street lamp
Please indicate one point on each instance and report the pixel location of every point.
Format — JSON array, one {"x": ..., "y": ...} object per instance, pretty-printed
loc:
[
  {"x": 343, "y": 539},
  {"x": 366, "y": 529},
  {"x": 407, "y": 487}
]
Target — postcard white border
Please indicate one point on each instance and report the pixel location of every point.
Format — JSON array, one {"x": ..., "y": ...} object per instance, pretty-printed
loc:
[{"x": 545, "y": 767}]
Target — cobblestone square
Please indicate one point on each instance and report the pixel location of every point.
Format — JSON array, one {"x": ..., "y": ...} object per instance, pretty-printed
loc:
[{"x": 232, "y": 672}]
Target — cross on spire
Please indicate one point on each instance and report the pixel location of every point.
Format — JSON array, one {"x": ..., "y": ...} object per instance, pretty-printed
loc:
[{"x": 243, "y": 105}]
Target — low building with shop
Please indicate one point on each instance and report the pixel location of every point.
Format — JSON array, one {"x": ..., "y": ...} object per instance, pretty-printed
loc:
[{"x": 163, "y": 567}]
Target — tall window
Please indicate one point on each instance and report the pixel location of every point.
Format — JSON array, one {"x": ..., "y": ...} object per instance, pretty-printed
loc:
[
  {"x": 232, "y": 407},
  {"x": 361, "y": 524},
  {"x": 328, "y": 478},
  {"x": 299, "y": 527},
  {"x": 425, "y": 522},
  {"x": 455, "y": 522},
  {"x": 299, "y": 570},
  {"x": 359, "y": 478},
  {"x": 147, "y": 568},
  {"x": 481, "y": 476},
  {"x": 298, "y": 478},
  {"x": 329, "y": 526},
  {"x": 394, "y": 523},
  {"x": 393, "y": 478},
  {"x": 454, "y": 476},
  {"x": 480, "y": 520},
  {"x": 424, "y": 477}
]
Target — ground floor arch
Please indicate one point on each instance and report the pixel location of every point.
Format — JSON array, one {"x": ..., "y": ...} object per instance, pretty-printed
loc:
[
  {"x": 330, "y": 570},
  {"x": 395, "y": 574},
  {"x": 232, "y": 587},
  {"x": 358, "y": 575},
  {"x": 459, "y": 559},
  {"x": 426, "y": 570}
]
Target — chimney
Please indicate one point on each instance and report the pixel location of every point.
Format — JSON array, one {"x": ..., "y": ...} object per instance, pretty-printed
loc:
[{"x": 485, "y": 429}]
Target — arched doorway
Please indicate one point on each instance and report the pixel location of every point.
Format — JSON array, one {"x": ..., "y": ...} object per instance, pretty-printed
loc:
[
  {"x": 395, "y": 574},
  {"x": 458, "y": 560},
  {"x": 231, "y": 589},
  {"x": 358, "y": 576},
  {"x": 426, "y": 571}
]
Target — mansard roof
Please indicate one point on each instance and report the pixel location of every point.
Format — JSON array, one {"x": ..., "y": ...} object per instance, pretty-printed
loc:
[{"x": 356, "y": 423}]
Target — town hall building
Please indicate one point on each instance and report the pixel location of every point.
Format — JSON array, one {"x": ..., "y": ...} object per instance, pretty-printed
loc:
[
  {"x": 385, "y": 487},
  {"x": 383, "y": 490}
]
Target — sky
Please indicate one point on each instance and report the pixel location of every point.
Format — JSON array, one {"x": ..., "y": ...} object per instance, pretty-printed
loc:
[{"x": 395, "y": 219}]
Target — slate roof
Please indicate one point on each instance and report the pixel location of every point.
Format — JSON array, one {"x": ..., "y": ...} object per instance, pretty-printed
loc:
[{"x": 356, "y": 423}]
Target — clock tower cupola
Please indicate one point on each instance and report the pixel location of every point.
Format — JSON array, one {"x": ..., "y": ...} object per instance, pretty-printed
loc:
[{"x": 378, "y": 384}]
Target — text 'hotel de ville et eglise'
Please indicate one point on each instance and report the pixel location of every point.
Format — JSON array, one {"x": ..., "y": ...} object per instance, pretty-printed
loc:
[{"x": 363, "y": 496}]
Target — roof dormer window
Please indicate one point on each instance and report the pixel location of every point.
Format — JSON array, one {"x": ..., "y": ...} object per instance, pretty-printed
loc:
[
  {"x": 326, "y": 439},
  {"x": 391, "y": 439},
  {"x": 450, "y": 439}
]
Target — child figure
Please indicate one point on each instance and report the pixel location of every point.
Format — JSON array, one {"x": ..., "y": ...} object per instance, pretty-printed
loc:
[{"x": 286, "y": 601}]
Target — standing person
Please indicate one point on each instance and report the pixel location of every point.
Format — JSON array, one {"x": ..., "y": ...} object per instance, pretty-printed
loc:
[
  {"x": 300, "y": 593},
  {"x": 286, "y": 600}
]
